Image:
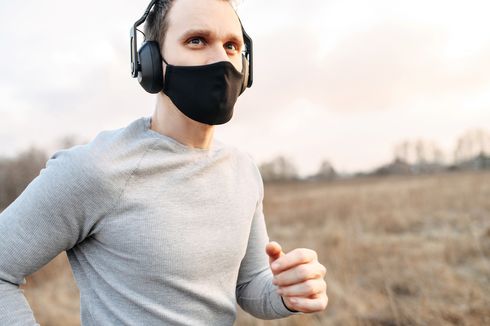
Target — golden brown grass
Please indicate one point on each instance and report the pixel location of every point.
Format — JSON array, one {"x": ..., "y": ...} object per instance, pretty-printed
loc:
[{"x": 399, "y": 251}]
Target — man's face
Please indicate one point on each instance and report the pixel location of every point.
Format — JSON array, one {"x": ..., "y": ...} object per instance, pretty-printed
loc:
[{"x": 203, "y": 32}]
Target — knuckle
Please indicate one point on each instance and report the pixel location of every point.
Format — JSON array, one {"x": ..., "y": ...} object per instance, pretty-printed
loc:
[
  {"x": 301, "y": 254},
  {"x": 317, "y": 288},
  {"x": 323, "y": 270},
  {"x": 324, "y": 303},
  {"x": 313, "y": 254},
  {"x": 310, "y": 286},
  {"x": 322, "y": 306},
  {"x": 308, "y": 255},
  {"x": 317, "y": 274},
  {"x": 319, "y": 305},
  {"x": 303, "y": 271}
]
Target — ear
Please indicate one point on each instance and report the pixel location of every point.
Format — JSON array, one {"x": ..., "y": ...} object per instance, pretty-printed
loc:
[{"x": 151, "y": 75}]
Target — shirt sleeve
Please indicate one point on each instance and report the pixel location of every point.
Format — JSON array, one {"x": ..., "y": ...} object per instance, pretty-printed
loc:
[
  {"x": 57, "y": 210},
  {"x": 255, "y": 292}
]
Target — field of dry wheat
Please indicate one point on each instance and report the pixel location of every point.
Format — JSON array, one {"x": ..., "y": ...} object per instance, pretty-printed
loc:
[{"x": 399, "y": 251}]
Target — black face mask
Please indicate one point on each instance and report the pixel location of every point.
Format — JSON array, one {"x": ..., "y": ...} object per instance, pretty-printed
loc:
[{"x": 205, "y": 93}]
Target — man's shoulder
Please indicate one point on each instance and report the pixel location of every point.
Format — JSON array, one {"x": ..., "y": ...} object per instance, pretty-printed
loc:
[
  {"x": 245, "y": 160},
  {"x": 99, "y": 156},
  {"x": 240, "y": 154}
]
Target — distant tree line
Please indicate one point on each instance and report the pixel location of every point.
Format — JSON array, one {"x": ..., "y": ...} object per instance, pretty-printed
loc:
[
  {"x": 472, "y": 152},
  {"x": 281, "y": 169}
]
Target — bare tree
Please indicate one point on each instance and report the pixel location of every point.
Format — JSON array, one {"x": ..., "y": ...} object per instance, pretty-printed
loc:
[
  {"x": 326, "y": 171},
  {"x": 471, "y": 144},
  {"x": 418, "y": 152},
  {"x": 402, "y": 152},
  {"x": 278, "y": 169}
]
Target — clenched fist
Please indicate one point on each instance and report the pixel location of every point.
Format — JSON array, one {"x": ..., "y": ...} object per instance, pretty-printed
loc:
[{"x": 299, "y": 278}]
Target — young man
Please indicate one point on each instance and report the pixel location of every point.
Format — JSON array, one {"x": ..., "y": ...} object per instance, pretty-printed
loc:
[{"x": 162, "y": 224}]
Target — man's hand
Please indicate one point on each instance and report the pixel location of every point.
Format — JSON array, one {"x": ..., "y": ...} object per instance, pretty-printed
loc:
[{"x": 299, "y": 278}]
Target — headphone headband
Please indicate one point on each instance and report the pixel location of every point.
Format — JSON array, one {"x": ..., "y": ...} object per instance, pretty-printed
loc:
[
  {"x": 135, "y": 65},
  {"x": 248, "y": 53}
]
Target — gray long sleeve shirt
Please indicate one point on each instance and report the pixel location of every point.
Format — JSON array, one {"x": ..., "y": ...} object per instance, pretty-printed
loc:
[{"x": 156, "y": 232}]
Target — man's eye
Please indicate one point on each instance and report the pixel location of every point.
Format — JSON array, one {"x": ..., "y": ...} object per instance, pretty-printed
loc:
[
  {"x": 195, "y": 40},
  {"x": 232, "y": 46}
]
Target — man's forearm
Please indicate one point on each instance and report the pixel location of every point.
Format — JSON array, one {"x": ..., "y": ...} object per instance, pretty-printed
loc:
[{"x": 259, "y": 297}]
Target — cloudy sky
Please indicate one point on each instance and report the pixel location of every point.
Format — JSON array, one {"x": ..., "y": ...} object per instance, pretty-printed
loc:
[{"x": 342, "y": 80}]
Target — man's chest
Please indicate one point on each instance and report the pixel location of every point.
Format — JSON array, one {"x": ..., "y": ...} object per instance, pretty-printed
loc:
[{"x": 181, "y": 228}]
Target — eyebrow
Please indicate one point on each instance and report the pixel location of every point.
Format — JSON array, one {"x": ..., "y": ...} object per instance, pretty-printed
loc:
[{"x": 209, "y": 34}]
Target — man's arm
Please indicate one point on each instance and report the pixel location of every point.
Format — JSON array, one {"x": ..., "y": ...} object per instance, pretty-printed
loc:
[
  {"x": 57, "y": 210},
  {"x": 255, "y": 292},
  {"x": 272, "y": 284}
]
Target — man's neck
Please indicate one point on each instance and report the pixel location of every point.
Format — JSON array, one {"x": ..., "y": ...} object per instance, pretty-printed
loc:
[{"x": 169, "y": 121}]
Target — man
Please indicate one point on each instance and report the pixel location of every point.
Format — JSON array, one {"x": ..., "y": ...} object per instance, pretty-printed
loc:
[{"x": 162, "y": 224}]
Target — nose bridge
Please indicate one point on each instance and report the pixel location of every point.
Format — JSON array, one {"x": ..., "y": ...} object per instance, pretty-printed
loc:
[{"x": 217, "y": 53}]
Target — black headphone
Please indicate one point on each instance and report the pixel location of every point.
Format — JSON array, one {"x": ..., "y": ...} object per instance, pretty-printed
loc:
[{"x": 146, "y": 63}]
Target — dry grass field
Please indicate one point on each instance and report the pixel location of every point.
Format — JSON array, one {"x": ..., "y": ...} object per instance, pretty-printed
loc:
[{"x": 399, "y": 251}]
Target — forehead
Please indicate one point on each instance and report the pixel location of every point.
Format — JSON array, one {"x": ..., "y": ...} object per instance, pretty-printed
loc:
[{"x": 216, "y": 16}]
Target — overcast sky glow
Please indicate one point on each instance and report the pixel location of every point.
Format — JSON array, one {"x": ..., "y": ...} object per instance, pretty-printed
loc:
[{"x": 343, "y": 80}]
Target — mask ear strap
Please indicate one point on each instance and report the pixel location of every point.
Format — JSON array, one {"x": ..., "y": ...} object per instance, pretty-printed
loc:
[{"x": 164, "y": 60}]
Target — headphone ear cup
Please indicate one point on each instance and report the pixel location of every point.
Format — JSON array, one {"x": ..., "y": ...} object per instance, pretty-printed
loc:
[
  {"x": 150, "y": 75},
  {"x": 245, "y": 65}
]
